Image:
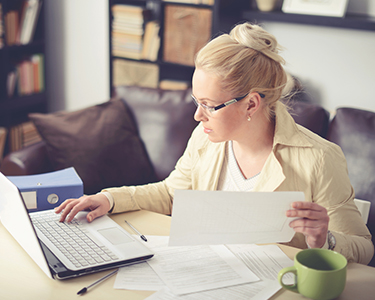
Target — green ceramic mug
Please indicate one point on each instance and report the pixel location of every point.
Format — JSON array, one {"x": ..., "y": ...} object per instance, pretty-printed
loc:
[{"x": 319, "y": 274}]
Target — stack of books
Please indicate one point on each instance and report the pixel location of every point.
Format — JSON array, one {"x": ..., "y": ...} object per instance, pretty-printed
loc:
[
  {"x": 27, "y": 77},
  {"x": 127, "y": 31},
  {"x": 23, "y": 135},
  {"x": 20, "y": 25}
]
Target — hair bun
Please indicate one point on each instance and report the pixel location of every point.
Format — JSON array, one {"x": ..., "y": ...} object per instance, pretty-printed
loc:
[{"x": 256, "y": 38}]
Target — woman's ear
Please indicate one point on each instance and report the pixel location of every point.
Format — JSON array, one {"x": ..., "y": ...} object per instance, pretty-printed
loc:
[{"x": 253, "y": 103}]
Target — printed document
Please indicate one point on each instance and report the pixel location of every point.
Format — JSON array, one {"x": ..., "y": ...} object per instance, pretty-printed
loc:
[
  {"x": 220, "y": 217},
  {"x": 139, "y": 277},
  {"x": 260, "y": 290},
  {"x": 198, "y": 268},
  {"x": 265, "y": 261}
]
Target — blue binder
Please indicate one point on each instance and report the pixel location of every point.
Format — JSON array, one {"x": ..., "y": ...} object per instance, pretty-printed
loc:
[{"x": 48, "y": 190}]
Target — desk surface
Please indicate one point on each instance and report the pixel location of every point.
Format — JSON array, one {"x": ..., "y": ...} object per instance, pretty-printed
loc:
[{"x": 21, "y": 278}]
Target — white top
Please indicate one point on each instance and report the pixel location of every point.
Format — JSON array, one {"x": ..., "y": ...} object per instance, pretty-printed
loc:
[{"x": 231, "y": 177}]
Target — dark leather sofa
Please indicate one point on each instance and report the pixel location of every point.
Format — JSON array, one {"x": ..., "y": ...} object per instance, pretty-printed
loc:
[{"x": 164, "y": 121}]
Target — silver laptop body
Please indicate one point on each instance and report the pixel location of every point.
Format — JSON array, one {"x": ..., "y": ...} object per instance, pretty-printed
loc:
[{"x": 119, "y": 247}]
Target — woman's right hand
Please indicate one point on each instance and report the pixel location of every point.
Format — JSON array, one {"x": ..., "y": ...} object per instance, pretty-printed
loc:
[{"x": 97, "y": 204}]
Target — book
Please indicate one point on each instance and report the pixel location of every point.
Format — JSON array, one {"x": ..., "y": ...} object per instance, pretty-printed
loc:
[
  {"x": 29, "y": 19},
  {"x": 205, "y": 2},
  {"x": 208, "y": 2},
  {"x": 127, "y": 9},
  {"x": 151, "y": 41},
  {"x": 11, "y": 27},
  {"x": 30, "y": 134},
  {"x": 126, "y": 72},
  {"x": 3, "y": 135},
  {"x": 186, "y": 30},
  {"x": 168, "y": 84},
  {"x": 11, "y": 83},
  {"x": 186, "y": 1}
]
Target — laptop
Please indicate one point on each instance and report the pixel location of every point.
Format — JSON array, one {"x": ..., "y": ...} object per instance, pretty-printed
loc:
[{"x": 119, "y": 247}]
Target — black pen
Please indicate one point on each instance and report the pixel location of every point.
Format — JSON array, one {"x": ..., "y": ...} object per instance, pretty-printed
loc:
[
  {"x": 84, "y": 290},
  {"x": 136, "y": 231}
]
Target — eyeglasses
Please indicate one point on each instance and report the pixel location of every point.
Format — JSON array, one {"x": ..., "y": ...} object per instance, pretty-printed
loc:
[{"x": 211, "y": 109}]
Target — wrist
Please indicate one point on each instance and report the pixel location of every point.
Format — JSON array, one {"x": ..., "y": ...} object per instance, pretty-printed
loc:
[
  {"x": 109, "y": 198},
  {"x": 325, "y": 245}
]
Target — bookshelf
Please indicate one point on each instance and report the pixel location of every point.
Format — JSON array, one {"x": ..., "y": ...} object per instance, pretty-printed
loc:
[
  {"x": 22, "y": 61},
  {"x": 196, "y": 22}
]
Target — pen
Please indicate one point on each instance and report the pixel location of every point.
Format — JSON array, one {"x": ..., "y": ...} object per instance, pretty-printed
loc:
[
  {"x": 136, "y": 231},
  {"x": 84, "y": 290}
]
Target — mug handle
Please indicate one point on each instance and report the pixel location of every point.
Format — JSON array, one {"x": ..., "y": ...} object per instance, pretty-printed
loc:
[{"x": 292, "y": 287}]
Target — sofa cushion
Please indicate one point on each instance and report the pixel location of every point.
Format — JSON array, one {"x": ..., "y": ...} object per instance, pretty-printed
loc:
[
  {"x": 101, "y": 142},
  {"x": 165, "y": 121},
  {"x": 354, "y": 131},
  {"x": 311, "y": 116}
]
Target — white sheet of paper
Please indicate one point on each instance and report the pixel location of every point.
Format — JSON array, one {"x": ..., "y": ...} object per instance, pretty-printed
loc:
[
  {"x": 198, "y": 268},
  {"x": 218, "y": 217},
  {"x": 260, "y": 290},
  {"x": 265, "y": 261},
  {"x": 139, "y": 277}
]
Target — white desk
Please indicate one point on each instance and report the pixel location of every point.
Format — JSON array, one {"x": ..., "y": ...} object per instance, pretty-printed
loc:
[{"x": 21, "y": 278}]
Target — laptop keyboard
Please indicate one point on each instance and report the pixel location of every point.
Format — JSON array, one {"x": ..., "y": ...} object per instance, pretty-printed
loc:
[{"x": 81, "y": 249}]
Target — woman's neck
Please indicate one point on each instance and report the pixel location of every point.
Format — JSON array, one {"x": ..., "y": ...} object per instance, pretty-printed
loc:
[{"x": 253, "y": 148}]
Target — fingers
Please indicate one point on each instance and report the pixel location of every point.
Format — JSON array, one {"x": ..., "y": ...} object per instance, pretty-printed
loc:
[
  {"x": 310, "y": 216},
  {"x": 73, "y": 206},
  {"x": 309, "y": 227},
  {"x": 307, "y": 210},
  {"x": 312, "y": 221},
  {"x": 98, "y": 204}
]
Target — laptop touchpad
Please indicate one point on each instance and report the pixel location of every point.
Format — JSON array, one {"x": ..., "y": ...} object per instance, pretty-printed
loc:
[{"x": 115, "y": 236}]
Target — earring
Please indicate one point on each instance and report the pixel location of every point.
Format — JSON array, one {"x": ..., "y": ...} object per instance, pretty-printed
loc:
[{"x": 249, "y": 118}]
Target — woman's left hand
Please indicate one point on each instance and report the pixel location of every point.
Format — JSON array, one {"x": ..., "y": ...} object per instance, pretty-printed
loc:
[{"x": 313, "y": 222}]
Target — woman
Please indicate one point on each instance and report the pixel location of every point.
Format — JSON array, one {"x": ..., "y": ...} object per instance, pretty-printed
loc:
[{"x": 247, "y": 141}]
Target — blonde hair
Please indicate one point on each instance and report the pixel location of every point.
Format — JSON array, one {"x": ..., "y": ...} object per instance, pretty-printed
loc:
[{"x": 247, "y": 60}]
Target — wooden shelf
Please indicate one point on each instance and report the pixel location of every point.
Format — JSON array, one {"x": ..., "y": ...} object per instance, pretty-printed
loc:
[
  {"x": 22, "y": 102},
  {"x": 350, "y": 21}
]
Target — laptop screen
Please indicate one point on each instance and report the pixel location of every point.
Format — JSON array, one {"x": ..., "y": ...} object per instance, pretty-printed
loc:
[{"x": 15, "y": 218}]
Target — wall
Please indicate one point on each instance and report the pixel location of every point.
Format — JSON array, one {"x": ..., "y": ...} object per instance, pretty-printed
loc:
[
  {"x": 78, "y": 53},
  {"x": 337, "y": 66}
]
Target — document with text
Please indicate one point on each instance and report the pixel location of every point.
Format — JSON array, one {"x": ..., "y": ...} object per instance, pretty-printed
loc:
[
  {"x": 198, "y": 268},
  {"x": 260, "y": 290},
  {"x": 138, "y": 277},
  {"x": 265, "y": 261},
  {"x": 218, "y": 217}
]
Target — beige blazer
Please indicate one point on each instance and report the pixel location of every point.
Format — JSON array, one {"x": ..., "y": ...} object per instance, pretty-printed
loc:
[{"x": 300, "y": 161}]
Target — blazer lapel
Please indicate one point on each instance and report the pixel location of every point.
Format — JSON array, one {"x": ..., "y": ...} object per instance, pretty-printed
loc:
[{"x": 271, "y": 176}]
